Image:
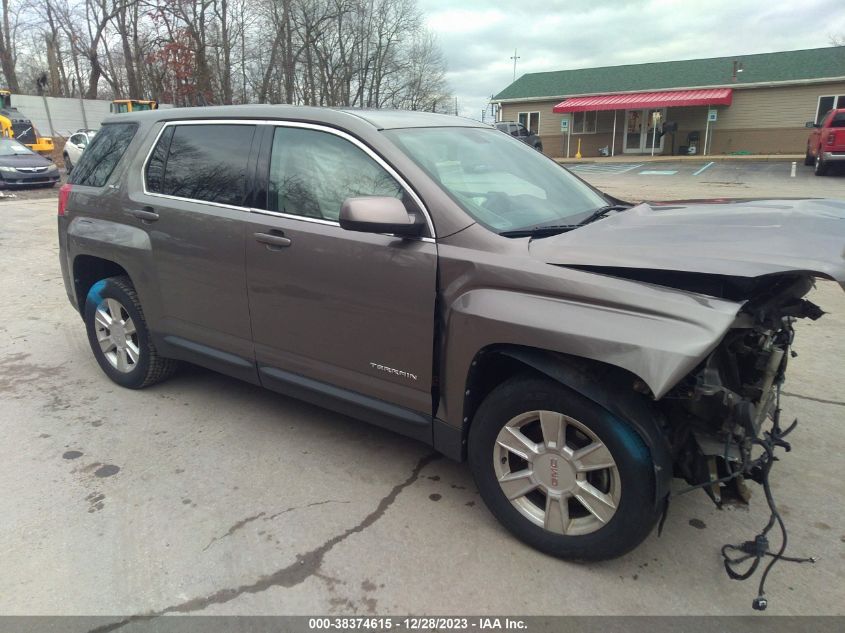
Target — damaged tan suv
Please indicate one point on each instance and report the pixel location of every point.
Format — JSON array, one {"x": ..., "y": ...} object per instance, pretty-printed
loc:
[{"x": 431, "y": 275}]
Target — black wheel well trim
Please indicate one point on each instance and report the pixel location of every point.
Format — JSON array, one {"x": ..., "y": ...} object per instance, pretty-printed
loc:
[
  {"x": 88, "y": 270},
  {"x": 608, "y": 386}
]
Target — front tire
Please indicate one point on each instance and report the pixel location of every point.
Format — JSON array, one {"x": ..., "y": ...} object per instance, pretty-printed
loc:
[
  {"x": 68, "y": 164},
  {"x": 560, "y": 472},
  {"x": 119, "y": 338}
]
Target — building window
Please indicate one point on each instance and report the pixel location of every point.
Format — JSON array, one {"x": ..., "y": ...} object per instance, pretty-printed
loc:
[
  {"x": 584, "y": 122},
  {"x": 531, "y": 120},
  {"x": 828, "y": 103}
]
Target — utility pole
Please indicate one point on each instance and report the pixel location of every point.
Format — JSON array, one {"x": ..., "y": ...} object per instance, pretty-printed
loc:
[{"x": 514, "y": 58}]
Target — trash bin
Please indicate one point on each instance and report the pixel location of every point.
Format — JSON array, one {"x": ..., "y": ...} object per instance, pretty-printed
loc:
[{"x": 692, "y": 142}]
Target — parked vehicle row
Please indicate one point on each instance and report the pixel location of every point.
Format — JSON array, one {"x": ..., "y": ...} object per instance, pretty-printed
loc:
[{"x": 433, "y": 276}]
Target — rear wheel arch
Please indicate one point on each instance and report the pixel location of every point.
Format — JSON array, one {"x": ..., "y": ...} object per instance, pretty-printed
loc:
[
  {"x": 613, "y": 388},
  {"x": 88, "y": 270}
]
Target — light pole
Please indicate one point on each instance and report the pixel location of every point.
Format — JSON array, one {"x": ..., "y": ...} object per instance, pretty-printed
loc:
[{"x": 514, "y": 58}]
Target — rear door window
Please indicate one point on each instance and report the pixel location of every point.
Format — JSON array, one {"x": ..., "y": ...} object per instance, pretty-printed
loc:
[
  {"x": 103, "y": 154},
  {"x": 206, "y": 162}
]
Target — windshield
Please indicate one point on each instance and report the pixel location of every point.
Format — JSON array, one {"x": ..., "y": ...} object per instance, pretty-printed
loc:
[
  {"x": 12, "y": 148},
  {"x": 502, "y": 183}
]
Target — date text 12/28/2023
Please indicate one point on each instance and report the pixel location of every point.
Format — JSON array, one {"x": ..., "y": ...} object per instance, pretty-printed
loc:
[{"x": 374, "y": 623}]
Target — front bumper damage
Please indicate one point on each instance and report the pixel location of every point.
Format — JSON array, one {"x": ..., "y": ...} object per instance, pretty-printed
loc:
[{"x": 726, "y": 416}]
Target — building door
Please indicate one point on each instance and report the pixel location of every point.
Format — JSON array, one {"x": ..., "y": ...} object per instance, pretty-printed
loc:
[{"x": 639, "y": 131}]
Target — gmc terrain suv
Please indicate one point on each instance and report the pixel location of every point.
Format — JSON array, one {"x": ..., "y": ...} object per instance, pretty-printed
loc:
[{"x": 436, "y": 277}]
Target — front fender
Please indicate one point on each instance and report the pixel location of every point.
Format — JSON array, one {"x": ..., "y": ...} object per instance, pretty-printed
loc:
[
  {"x": 660, "y": 344},
  {"x": 612, "y": 391}
]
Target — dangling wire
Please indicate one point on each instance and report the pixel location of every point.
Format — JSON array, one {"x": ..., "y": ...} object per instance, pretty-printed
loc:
[{"x": 759, "y": 547}]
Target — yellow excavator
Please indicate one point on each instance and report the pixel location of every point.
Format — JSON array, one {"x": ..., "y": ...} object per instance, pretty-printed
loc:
[
  {"x": 14, "y": 124},
  {"x": 119, "y": 106}
]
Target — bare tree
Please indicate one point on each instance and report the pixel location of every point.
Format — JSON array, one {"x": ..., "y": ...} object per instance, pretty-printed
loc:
[
  {"x": 7, "y": 47},
  {"x": 365, "y": 53}
]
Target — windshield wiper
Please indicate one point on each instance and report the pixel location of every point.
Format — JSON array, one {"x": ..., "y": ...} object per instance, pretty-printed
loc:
[
  {"x": 540, "y": 231},
  {"x": 602, "y": 211}
]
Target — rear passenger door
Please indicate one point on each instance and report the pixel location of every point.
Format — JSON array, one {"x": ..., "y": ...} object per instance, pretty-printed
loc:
[
  {"x": 193, "y": 206},
  {"x": 342, "y": 308}
]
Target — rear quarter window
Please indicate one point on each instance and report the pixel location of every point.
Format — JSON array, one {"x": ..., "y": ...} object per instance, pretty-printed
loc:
[{"x": 103, "y": 154}]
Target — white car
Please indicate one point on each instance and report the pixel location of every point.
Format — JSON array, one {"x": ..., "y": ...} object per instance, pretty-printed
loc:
[{"x": 74, "y": 147}]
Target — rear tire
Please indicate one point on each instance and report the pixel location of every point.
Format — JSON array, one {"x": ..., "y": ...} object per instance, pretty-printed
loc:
[
  {"x": 590, "y": 492},
  {"x": 119, "y": 338},
  {"x": 808, "y": 158}
]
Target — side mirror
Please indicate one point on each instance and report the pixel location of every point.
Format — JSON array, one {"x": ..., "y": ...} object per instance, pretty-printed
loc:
[
  {"x": 379, "y": 214},
  {"x": 810, "y": 124}
]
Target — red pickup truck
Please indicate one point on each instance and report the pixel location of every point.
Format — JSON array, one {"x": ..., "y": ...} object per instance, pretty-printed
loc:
[{"x": 826, "y": 144}]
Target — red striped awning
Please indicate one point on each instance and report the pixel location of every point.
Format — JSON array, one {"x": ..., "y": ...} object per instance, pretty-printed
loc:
[{"x": 673, "y": 98}]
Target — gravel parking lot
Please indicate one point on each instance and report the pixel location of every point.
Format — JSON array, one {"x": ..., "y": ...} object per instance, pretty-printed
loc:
[{"x": 208, "y": 495}]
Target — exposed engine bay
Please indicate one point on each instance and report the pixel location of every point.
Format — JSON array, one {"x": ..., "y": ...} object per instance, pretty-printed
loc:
[
  {"x": 719, "y": 409},
  {"x": 725, "y": 416}
]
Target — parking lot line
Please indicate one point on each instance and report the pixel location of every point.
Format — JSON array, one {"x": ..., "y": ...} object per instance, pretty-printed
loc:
[
  {"x": 708, "y": 165},
  {"x": 659, "y": 172},
  {"x": 608, "y": 168}
]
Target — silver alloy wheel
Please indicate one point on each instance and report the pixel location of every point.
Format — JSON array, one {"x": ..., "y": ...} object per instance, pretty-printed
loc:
[
  {"x": 566, "y": 481},
  {"x": 117, "y": 335}
]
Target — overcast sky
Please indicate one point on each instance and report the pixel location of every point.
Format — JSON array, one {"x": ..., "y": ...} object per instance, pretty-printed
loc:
[{"x": 478, "y": 38}]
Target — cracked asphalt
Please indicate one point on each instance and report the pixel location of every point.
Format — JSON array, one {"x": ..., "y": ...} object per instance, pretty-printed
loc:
[{"x": 205, "y": 495}]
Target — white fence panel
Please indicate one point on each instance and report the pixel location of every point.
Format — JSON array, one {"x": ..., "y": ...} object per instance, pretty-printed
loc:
[{"x": 67, "y": 115}]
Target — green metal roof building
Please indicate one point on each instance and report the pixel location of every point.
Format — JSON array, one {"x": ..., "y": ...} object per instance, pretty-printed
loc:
[{"x": 755, "y": 103}]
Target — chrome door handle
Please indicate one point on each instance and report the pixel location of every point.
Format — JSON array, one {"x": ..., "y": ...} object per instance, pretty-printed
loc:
[
  {"x": 272, "y": 239},
  {"x": 144, "y": 214}
]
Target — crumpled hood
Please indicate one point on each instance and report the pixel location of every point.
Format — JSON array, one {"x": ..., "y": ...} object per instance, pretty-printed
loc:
[{"x": 739, "y": 238}]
